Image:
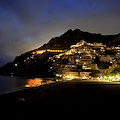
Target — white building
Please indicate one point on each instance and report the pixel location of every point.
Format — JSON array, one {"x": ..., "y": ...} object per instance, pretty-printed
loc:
[
  {"x": 84, "y": 60},
  {"x": 84, "y": 75}
]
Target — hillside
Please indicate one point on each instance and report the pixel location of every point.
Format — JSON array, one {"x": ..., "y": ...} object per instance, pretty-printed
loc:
[
  {"x": 34, "y": 63},
  {"x": 72, "y": 37}
]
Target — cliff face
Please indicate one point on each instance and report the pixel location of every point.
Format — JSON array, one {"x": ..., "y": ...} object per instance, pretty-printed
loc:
[{"x": 28, "y": 64}]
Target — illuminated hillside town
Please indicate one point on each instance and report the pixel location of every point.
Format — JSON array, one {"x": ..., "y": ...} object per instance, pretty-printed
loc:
[
  {"x": 87, "y": 61},
  {"x": 82, "y": 61}
]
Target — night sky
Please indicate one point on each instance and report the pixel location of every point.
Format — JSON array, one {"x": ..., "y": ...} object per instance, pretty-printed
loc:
[{"x": 28, "y": 24}]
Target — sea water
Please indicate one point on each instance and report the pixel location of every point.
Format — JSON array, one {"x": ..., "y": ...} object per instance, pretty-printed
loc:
[{"x": 10, "y": 84}]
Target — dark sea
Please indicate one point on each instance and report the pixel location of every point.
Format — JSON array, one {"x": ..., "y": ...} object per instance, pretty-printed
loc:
[{"x": 10, "y": 84}]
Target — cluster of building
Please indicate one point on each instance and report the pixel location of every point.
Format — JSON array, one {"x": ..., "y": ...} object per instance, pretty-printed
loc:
[{"x": 84, "y": 59}]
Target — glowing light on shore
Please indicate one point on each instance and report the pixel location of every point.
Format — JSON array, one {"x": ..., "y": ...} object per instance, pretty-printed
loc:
[
  {"x": 37, "y": 82},
  {"x": 110, "y": 78},
  {"x": 70, "y": 77}
]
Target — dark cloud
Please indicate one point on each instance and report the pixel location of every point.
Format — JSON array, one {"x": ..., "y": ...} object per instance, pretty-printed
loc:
[{"x": 27, "y": 24}]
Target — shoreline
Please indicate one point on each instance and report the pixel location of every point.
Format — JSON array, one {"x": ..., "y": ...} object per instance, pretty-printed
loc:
[
  {"x": 12, "y": 84},
  {"x": 25, "y": 88},
  {"x": 54, "y": 82},
  {"x": 61, "y": 98}
]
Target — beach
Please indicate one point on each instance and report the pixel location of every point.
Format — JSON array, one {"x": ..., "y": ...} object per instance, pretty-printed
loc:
[{"x": 63, "y": 100}]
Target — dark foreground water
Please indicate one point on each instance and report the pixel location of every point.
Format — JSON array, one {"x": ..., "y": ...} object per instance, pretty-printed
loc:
[{"x": 10, "y": 84}]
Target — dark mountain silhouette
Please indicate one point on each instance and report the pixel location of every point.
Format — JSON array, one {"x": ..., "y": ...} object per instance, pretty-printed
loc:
[
  {"x": 25, "y": 65},
  {"x": 72, "y": 37}
]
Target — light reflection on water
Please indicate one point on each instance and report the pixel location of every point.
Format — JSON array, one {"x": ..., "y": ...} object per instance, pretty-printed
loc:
[
  {"x": 37, "y": 82},
  {"x": 10, "y": 84}
]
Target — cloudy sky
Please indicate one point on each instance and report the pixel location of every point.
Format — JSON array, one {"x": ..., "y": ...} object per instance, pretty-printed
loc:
[{"x": 28, "y": 24}]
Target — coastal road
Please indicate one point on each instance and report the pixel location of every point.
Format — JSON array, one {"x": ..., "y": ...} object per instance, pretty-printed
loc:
[{"x": 83, "y": 99}]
